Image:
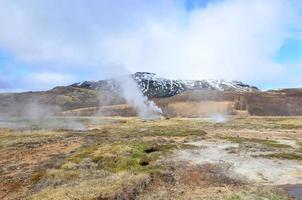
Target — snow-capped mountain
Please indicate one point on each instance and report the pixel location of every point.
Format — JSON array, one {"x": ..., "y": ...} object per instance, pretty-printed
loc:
[{"x": 154, "y": 86}]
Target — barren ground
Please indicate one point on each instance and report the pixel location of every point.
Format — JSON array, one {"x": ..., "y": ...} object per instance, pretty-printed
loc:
[{"x": 177, "y": 158}]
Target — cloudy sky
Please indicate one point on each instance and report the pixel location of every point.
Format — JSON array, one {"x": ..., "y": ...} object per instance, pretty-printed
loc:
[{"x": 48, "y": 43}]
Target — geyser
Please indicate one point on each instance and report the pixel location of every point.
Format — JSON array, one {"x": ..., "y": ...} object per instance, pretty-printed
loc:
[{"x": 134, "y": 97}]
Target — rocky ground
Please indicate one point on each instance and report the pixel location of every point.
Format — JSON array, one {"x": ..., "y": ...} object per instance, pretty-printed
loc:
[{"x": 177, "y": 158}]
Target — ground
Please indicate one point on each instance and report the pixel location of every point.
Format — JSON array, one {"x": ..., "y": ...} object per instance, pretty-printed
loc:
[{"x": 128, "y": 158}]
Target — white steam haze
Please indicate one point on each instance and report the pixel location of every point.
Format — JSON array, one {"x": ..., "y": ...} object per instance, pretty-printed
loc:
[
  {"x": 36, "y": 115},
  {"x": 146, "y": 109},
  {"x": 219, "y": 118},
  {"x": 230, "y": 39}
]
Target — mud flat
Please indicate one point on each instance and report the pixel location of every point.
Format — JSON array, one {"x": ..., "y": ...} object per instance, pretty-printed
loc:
[{"x": 243, "y": 164}]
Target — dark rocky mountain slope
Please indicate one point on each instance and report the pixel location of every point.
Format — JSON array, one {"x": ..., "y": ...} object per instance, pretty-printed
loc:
[{"x": 157, "y": 87}]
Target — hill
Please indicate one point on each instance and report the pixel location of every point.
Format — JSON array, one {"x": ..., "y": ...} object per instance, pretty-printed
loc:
[
  {"x": 156, "y": 87},
  {"x": 175, "y": 97}
]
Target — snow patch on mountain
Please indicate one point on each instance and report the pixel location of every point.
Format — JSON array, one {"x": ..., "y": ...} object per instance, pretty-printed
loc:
[{"x": 153, "y": 86}]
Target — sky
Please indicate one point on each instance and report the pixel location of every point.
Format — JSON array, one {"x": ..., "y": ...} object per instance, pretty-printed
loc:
[{"x": 45, "y": 43}]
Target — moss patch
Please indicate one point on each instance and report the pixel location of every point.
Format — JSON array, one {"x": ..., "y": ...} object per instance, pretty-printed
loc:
[
  {"x": 300, "y": 146},
  {"x": 285, "y": 156},
  {"x": 268, "y": 143},
  {"x": 123, "y": 156},
  {"x": 254, "y": 193}
]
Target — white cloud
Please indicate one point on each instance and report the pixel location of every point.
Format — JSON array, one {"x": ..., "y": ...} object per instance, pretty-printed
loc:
[
  {"x": 34, "y": 81},
  {"x": 232, "y": 39},
  {"x": 42, "y": 79}
]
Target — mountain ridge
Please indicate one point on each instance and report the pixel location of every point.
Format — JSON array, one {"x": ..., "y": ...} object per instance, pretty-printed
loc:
[
  {"x": 167, "y": 94},
  {"x": 157, "y": 87}
]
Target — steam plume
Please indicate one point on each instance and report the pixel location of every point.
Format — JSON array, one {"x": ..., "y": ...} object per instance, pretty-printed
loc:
[
  {"x": 134, "y": 97},
  {"x": 146, "y": 109}
]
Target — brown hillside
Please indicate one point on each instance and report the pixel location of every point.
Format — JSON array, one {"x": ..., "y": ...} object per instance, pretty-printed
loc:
[{"x": 79, "y": 101}]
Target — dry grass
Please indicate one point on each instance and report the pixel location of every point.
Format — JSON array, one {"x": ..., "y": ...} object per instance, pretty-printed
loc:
[
  {"x": 285, "y": 155},
  {"x": 200, "y": 109},
  {"x": 263, "y": 123},
  {"x": 252, "y": 194},
  {"x": 107, "y": 187},
  {"x": 268, "y": 143},
  {"x": 23, "y": 138},
  {"x": 119, "y": 157},
  {"x": 112, "y": 110}
]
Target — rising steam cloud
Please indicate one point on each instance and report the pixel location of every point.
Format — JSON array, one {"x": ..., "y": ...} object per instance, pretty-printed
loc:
[
  {"x": 129, "y": 90},
  {"x": 146, "y": 109}
]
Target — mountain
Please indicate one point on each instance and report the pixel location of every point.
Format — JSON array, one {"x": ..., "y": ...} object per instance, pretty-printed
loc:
[
  {"x": 156, "y": 87},
  {"x": 184, "y": 98}
]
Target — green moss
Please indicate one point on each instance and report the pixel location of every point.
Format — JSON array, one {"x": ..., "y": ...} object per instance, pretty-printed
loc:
[
  {"x": 266, "y": 193},
  {"x": 252, "y": 194},
  {"x": 170, "y": 128},
  {"x": 261, "y": 123},
  {"x": 174, "y": 131},
  {"x": 122, "y": 156},
  {"x": 285, "y": 156},
  {"x": 188, "y": 146},
  {"x": 268, "y": 143},
  {"x": 82, "y": 153},
  {"x": 28, "y": 138},
  {"x": 300, "y": 145}
]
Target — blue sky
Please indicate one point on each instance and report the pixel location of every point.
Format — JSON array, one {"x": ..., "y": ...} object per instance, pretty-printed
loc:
[
  {"x": 48, "y": 43},
  {"x": 193, "y": 4},
  {"x": 290, "y": 52}
]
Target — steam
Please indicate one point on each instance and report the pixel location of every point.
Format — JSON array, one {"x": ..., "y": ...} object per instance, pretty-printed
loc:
[
  {"x": 146, "y": 109},
  {"x": 36, "y": 115},
  {"x": 35, "y": 111},
  {"x": 219, "y": 118},
  {"x": 134, "y": 97}
]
